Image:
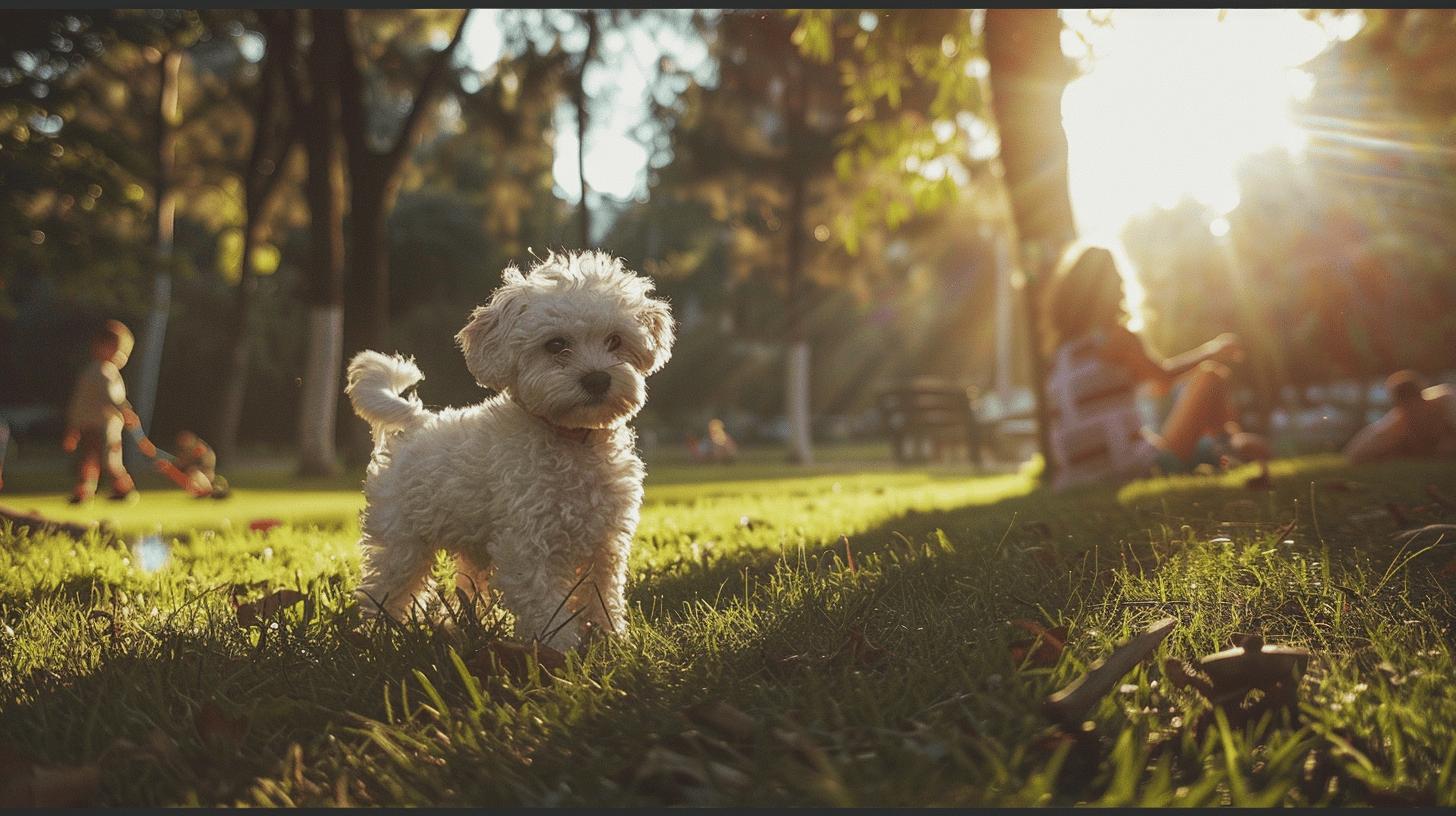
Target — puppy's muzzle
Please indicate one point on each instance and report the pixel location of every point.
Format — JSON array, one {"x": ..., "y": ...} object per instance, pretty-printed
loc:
[{"x": 596, "y": 384}]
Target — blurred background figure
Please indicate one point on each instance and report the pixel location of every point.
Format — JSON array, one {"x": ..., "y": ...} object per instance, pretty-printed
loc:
[
  {"x": 1419, "y": 423},
  {"x": 198, "y": 462},
  {"x": 97, "y": 413},
  {"x": 719, "y": 447},
  {"x": 1097, "y": 364}
]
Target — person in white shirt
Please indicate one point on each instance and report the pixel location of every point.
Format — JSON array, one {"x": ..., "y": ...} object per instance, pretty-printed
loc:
[{"x": 97, "y": 413}]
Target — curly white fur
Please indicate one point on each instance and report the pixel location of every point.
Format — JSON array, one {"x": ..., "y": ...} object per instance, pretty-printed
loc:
[{"x": 536, "y": 490}]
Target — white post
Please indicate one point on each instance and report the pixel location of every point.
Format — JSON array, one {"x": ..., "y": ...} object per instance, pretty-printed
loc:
[
  {"x": 1004, "y": 316},
  {"x": 322, "y": 382},
  {"x": 801, "y": 445}
]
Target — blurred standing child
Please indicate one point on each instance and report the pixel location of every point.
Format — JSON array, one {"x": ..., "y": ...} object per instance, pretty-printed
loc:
[{"x": 97, "y": 413}]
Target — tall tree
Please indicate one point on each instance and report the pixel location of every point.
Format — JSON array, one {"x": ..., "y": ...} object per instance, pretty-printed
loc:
[
  {"x": 149, "y": 365},
  {"x": 274, "y": 134},
  {"x": 1028, "y": 74},
  {"x": 375, "y": 174},
  {"x": 758, "y": 141},
  {"x": 317, "y": 106},
  {"x": 590, "y": 19}
]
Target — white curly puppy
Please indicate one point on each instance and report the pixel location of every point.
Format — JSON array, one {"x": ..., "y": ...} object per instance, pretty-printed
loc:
[{"x": 536, "y": 490}]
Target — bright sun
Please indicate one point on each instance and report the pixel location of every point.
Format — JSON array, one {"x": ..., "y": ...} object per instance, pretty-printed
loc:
[{"x": 1173, "y": 99}]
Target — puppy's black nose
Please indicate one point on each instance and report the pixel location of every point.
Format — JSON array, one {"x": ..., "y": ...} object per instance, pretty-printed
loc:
[{"x": 596, "y": 383}]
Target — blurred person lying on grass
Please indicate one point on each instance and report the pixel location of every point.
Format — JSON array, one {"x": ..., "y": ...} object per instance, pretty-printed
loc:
[
  {"x": 1421, "y": 422},
  {"x": 1097, "y": 363}
]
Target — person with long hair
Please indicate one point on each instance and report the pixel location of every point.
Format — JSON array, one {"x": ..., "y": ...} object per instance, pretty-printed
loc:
[{"x": 1096, "y": 365}]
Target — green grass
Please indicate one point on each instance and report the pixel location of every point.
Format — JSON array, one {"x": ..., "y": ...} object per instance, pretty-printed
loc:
[{"x": 898, "y": 671}]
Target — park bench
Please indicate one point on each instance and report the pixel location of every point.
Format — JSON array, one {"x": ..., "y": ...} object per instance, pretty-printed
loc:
[{"x": 929, "y": 419}]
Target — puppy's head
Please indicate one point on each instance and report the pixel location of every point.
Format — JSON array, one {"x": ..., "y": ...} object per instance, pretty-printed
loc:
[{"x": 573, "y": 340}]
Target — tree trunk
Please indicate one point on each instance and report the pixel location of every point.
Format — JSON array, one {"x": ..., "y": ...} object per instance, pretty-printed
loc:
[
  {"x": 367, "y": 322},
  {"x": 579, "y": 98},
  {"x": 374, "y": 178},
  {"x": 1005, "y": 301},
  {"x": 797, "y": 371},
  {"x": 370, "y": 201},
  {"x": 260, "y": 182},
  {"x": 321, "y": 385},
  {"x": 154, "y": 333},
  {"x": 324, "y": 295},
  {"x": 1028, "y": 74},
  {"x": 237, "y": 352}
]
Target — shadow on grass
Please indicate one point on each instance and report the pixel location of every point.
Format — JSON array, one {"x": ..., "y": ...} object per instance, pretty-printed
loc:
[{"x": 772, "y": 633}]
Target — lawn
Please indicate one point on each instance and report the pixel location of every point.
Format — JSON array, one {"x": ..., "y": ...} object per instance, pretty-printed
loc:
[{"x": 850, "y": 636}]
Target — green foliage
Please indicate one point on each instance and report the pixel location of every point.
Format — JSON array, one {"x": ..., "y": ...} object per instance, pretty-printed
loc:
[{"x": 911, "y": 88}]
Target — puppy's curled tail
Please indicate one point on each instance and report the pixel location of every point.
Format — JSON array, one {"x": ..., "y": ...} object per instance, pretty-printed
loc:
[{"x": 376, "y": 382}]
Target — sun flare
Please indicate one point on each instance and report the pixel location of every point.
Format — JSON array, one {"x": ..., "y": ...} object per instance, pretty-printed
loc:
[{"x": 1171, "y": 101}]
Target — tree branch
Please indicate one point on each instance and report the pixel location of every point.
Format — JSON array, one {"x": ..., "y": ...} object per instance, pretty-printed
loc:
[
  {"x": 423, "y": 97},
  {"x": 351, "y": 87},
  {"x": 293, "y": 86}
]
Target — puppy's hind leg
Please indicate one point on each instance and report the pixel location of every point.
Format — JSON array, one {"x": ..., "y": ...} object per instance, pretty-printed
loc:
[{"x": 396, "y": 576}]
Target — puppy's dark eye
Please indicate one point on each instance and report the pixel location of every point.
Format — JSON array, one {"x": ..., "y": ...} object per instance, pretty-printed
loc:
[
  {"x": 556, "y": 345},
  {"x": 613, "y": 342}
]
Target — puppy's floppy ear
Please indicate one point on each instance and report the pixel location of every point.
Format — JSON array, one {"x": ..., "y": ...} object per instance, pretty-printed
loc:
[
  {"x": 483, "y": 340},
  {"x": 657, "y": 318}
]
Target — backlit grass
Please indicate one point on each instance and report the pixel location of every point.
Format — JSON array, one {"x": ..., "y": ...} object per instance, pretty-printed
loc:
[{"x": 897, "y": 669}]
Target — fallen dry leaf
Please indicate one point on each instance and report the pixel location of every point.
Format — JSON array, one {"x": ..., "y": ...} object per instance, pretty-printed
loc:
[
  {"x": 263, "y": 525},
  {"x": 513, "y": 659},
  {"x": 724, "y": 719},
  {"x": 1069, "y": 705},
  {"x": 1043, "y": 649},
  {"x": 682, "y": 779},
  {"x": 254, "y": 613},
  {"x": 1225, "y": 679}
]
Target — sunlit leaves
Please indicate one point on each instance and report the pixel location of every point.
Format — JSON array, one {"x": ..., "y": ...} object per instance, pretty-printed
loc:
[
  {"x": 902, "y": 72},
  {"x": 266, "y": 257}
]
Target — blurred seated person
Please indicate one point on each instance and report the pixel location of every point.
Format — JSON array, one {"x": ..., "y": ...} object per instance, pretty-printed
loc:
[
  {"x": 694, "y": 446},
  {"x": 1095, "y": 366},
  {"x": 1419, "y": 423},
  {"x": 198, "y": 462},
  {"x": 720, "y": 446}
]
